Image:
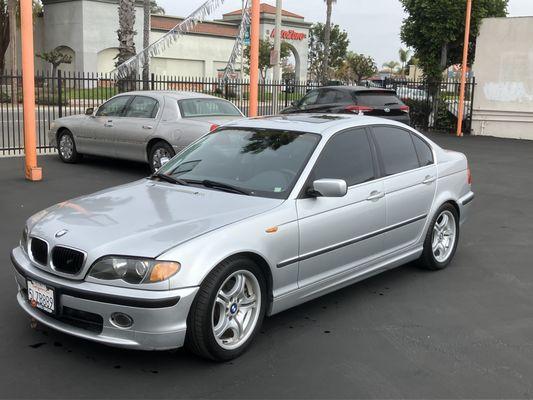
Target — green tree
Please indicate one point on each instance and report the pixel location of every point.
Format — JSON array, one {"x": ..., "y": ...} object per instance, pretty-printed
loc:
[
  {"x": 155, "y": 8},
  {"x": 56, "y": 58},
  {"x": 392, "y": 66},
  {"x": 435, "y": 30},
  {"x": 404, "y": 58},
  {"x": 357, "y": 67},
  {"x": 126, "y": 38},
  {"x": 265, "y": 47},
  {"x": 327, "y": 40},
  {"x": 337, "y": 51}
]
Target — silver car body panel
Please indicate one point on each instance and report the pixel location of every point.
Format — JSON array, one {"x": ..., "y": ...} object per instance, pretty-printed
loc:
[
  {"x": 313, "y": 250},
  {"x": 128, "y": 137}
]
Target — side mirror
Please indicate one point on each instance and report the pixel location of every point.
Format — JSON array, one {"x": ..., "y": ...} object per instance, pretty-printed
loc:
[
  {"x": 89, "y": 111},
  {"x": 329, "y": 188}
]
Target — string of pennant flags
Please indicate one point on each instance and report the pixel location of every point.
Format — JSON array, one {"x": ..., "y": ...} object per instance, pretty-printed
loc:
[
  {"x": 187, "y": 25},
  {"x": 239, "y": 41}
]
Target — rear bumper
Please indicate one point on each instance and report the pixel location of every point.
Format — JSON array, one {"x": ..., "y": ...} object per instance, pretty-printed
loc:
[
  {"x": 159, "y": 317},
  {"x": 464, "y": 206}
]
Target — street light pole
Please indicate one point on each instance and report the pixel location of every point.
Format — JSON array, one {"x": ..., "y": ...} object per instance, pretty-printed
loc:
[
  {"x": 254, "y": 59},
  {"x": 32, "y": 171},
  {"x": 277, "y": 54},
  {"x": 463, "y": 69}
]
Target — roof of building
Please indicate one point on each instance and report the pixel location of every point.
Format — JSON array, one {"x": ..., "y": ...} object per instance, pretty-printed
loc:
[
  {"x": 265, "y": 8},
  {"x": 166, "y": 23}
]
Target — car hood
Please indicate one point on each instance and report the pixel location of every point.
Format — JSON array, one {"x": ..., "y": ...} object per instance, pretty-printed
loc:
[{"x": 143, "y": 218}]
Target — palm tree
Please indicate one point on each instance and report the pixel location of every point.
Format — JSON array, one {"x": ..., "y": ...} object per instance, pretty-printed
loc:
[
  {"x": 404, "y": 58},
  {"x": 392, "y": 66},
  {"x": 327, "y": 39},
  {"x": 126, "y": 35}
]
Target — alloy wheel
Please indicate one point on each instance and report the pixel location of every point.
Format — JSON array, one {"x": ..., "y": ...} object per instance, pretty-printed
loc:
[{"x": 444, "y": 236}]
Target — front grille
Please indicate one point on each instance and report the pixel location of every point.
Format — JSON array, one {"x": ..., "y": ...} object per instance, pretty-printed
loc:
[
  {"x": 68, "y": 261},
  {"x": 39, "y": 251},
  {"x": 81, "y": 319}
]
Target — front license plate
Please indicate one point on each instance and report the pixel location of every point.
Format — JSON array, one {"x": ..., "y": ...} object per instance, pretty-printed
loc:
[{"x": 41, "y": 296}]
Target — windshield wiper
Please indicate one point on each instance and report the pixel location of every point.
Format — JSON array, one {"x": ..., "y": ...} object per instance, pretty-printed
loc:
[
  {"x": 169, "y": 179},
  {"x": 223, "y": 186}
]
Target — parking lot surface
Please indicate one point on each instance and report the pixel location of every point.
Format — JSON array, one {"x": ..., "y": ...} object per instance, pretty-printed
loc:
[{"x": 466, "y": 331}]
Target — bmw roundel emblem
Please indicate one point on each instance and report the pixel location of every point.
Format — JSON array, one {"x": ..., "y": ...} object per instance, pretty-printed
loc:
[
  {"x": 387, "y": 110},
  {"x": 61, "y": 233},
  {"x": 233, "y": 308}
]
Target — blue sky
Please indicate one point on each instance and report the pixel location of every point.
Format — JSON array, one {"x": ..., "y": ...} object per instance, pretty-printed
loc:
[{"x": 373, "y": 25}]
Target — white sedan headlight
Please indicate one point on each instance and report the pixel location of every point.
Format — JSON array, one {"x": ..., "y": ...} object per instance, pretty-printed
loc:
[{"x": 134, "y": 270}]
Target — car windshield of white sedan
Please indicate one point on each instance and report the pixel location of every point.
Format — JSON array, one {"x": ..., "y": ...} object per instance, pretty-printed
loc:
[
  {"x": 192, "y": 108},
  {"x": 256, "y": 162}
]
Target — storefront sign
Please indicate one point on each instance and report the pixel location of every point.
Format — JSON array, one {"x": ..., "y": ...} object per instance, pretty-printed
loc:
[{"x": 289, "y": 35}]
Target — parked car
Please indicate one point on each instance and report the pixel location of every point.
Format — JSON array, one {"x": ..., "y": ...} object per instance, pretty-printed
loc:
[
  {"x": 409, "y": 93},
  {"x": 352, "y": 100},
  {"x": 141, "y": 126},
  {"x": 254, "y": 218}
]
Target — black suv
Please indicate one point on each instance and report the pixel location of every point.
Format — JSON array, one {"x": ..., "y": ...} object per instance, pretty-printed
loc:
[{"x": 352, "y": 100}]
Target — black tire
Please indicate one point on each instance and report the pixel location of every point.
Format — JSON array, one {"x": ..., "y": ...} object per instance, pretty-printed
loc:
[
  {"x": 66, "y": 147},
  {"x": 428, "y": 259},
  {"x": 158, "y": 148},
  {"x": 200, "y": 337}
]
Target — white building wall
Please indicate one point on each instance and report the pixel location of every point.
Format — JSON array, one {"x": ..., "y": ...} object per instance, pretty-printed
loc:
[
  {"x": 503, "y": 101},
  {"x": 192, "y": 55}
]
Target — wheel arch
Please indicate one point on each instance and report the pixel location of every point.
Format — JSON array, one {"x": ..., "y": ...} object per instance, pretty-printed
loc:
[
  {"x": 151, "y": 144},
  {"x": 62, "y": 129}
]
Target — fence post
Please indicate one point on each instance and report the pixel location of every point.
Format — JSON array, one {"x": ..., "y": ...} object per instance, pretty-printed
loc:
[
  {"x": 470, "y": 117},
  {"x": 287, "y": 92},
  {"x": 152, "y": 81},
  {"x": 59, "y": 93}
]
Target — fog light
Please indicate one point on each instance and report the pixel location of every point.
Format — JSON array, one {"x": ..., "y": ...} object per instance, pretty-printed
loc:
[{"x": 121, "y": 320}]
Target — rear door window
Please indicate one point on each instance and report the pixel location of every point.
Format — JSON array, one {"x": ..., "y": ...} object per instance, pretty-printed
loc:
[
  {"x": 397, "y": 150},
  {"x": 425, "y": 154},
  {"x": 142, "y": 107}
]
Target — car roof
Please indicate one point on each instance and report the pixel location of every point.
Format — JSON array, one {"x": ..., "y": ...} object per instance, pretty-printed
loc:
[
  {"x": 358, "y": 89},
  {"x": 323, "y": 124},
  {"x": 177, "y": 94}
]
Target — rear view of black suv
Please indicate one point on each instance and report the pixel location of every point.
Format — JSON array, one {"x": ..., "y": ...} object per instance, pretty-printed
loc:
[{"x": 352, "y": 100}]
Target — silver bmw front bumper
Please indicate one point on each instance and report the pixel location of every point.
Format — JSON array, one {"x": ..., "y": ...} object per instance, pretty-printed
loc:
[{"x": 85, "y": 309}]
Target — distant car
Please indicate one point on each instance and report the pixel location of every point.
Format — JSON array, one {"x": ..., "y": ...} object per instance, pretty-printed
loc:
[
  {"x": 254, "y": 218},
  {"x": 352, "y": 100},
  {"x": 409, "y": 93},
  {"x": 141, "y": 126}
]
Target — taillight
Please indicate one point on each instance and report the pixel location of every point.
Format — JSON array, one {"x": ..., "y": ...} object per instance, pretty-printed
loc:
[
  {"x": 358, "y": 109},
  {"x": 405, "y": 109},
  {"x": 468, "y": 175},
  {"x": 213, "y": 127}
]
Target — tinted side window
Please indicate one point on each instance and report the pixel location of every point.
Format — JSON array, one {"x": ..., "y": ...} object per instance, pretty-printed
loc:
[
  {"x": 396, "y": 148},
  {"x": 333, "y": 96},
  {"x": 346, "y": 156},
  {"x": 142, "y": 107},
  {"x": 114, "y": 107},
  {"x": 377, "y": 99},
  {"x": 425, "y": 155},
  {"x": 309, "y": 99}
]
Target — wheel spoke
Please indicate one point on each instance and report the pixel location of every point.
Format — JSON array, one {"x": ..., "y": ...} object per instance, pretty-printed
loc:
[
  {"x": 248, "y": 303},
  {"x": 236, "y": 326},
  {"x": 238, "y": 287},
  {"x": 222, "y": 326}
]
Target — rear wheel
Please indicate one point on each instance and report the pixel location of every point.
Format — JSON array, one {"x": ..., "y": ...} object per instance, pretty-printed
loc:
[
  {"x": 228, "y": 310},
  {"x": 66, "y": 147},
  {"x": 441, "y": 239},
  {"x": 159, "y": 151}
]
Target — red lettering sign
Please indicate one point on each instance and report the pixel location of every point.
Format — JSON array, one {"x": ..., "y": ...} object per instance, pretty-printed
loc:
[{"x": 289, "y": 35}]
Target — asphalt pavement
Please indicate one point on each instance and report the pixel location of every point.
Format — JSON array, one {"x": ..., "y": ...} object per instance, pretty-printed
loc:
[{"x": 466, "y": 331}]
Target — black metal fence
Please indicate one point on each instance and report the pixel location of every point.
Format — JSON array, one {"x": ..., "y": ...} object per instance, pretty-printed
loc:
[{"x": 433, "y": 106}]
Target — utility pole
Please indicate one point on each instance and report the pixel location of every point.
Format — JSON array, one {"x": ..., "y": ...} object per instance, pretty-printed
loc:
[
  {"x": 146, "y": 43},
  {"x": 33, "y": 172},
  {"x": 464, "y": 66},
  {"x": 277, "y": 55},
  {"x": 254, "y": 59},
  {"x": 242, "y": 47}
]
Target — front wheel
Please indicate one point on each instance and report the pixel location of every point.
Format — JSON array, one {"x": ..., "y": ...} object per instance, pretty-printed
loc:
[
  {"x": 228, "y": 310},
  {"x": 442, "y": 239},
  {"x": 159, "y": 151},
  {"x": 66, "y": 147}
]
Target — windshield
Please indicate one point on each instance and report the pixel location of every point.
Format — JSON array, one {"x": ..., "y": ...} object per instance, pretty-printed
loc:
[
  {"x": 377, "y": 99},
  {"x": 260, "y": 162},
  {"x": 191, "y": 108}
]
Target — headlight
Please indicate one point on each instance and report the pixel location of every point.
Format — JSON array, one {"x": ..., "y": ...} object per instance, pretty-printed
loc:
[
  {"x": 133, "y": 270},
  {"x": 24, "y": 239}
]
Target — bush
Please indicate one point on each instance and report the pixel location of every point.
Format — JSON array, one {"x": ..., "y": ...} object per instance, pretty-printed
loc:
[
  {"x": 419, "y": 110},
  {"x": 47, "y": 99},
  {"x": 5, "y": 98}
]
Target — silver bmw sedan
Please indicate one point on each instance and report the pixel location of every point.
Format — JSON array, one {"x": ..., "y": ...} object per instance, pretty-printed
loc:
[
  {"x": 250, "y": 220},
  {"x": 141, "y": 126}
]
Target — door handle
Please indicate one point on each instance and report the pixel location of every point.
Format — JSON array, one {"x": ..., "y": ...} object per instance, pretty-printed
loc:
[
  {"x": 148, "y": 127},
  {"x": 429, "y": 179},
  {"x": 109, "y": 124},
  {"x": 375, "y": 195}
]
